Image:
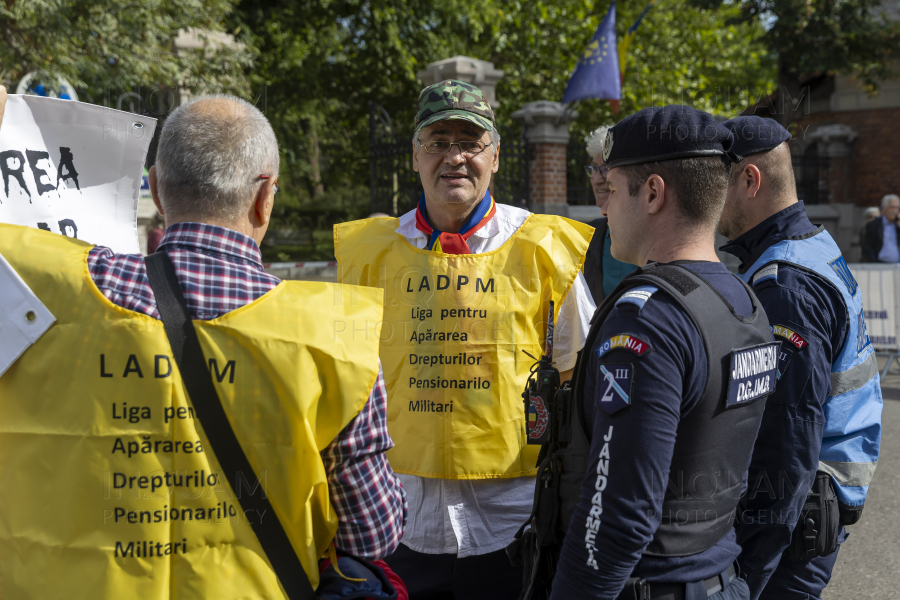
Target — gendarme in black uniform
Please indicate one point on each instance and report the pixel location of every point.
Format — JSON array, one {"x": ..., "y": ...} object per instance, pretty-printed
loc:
[{"x": 668, "y": 396}]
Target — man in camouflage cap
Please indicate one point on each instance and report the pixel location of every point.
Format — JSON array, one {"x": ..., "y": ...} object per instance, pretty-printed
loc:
[{"x": 468, "y": 285}]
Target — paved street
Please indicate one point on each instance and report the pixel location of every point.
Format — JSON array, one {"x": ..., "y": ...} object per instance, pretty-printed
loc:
[{"x": 868, "y": 565}]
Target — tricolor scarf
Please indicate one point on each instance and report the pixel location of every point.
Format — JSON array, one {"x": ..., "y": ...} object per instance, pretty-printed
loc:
[{"x": 455, "y": 243}]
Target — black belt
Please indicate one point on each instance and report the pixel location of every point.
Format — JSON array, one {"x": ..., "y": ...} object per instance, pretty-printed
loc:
[{"x": 640, "y": 589}]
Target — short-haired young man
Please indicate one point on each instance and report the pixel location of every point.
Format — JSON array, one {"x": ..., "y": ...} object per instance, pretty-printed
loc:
[
  {"x": 672, "y": 383},
  {"x": 819, "y": 439}
]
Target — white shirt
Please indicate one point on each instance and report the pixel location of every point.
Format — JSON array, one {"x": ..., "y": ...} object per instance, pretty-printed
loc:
[{"x": 471, "y": 517}]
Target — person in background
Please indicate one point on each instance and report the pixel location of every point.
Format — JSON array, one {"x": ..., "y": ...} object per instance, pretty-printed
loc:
[
  {"x": 155, "y": 229},
  {"x": 601, "y": 271},
  {"x": 883, "y": 235},
  {"x": 871, "y": 213}
]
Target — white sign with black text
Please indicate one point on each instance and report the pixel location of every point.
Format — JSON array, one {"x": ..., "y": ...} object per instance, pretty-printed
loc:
[{"x": 73, "y": 168}]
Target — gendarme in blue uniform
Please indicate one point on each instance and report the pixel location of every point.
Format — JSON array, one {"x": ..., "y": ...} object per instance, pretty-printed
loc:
[
  {"x": 638, "y": 490},
  {"x": 667, "y": 383},
  {"x": 825, "y": 414}
]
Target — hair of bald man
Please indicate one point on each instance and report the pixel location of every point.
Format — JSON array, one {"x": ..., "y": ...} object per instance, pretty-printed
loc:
[
  {"x": 777, "y": 173},
  {"x": 211, "y": 153}
]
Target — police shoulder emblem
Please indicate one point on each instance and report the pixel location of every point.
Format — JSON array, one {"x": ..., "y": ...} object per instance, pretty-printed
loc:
[
  {"x": 607, "y": 145},
  {"x": 790, "y": 335},
  {"x": 616, "y": 383},
  {"x": 625, "y": 342}
]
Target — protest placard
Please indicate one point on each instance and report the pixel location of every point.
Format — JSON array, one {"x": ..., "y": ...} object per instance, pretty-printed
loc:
[{"x": 73, "y": 168}]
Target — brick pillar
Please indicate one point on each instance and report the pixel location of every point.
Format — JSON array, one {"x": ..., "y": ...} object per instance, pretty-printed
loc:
[{"x": 547, "y": 132}]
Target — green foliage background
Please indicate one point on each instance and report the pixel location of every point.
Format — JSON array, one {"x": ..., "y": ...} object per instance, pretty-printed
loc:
[{"x": 314, "y": 65}]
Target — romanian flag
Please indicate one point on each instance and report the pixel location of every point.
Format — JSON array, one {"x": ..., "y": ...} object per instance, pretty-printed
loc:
[{"x": 626, "y": 40}]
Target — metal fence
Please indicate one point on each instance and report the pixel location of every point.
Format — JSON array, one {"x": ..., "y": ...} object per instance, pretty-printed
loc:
[{"x": 395, "y": 188}]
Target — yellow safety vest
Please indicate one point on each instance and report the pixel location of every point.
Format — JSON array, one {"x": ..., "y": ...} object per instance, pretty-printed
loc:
[
  {"x": 454, "y": 339},
  {"x": 108, "y": 487}
]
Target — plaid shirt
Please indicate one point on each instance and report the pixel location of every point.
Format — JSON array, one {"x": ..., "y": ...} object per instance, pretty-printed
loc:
[{"x": 221, "y": 270}]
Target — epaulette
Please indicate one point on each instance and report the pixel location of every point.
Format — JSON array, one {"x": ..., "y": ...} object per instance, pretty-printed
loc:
[
  {"x": 765, "y": 274},
  {"x": 637, "y": 296}
]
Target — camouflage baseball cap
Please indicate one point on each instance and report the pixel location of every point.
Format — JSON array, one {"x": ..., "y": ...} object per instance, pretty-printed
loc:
[{"x": 453, "y": 99}]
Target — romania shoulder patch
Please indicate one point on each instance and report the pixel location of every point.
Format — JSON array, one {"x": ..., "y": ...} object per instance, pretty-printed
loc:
[
  {"x": 625, "y": 342},
  {"x": 790, "y": 335}
]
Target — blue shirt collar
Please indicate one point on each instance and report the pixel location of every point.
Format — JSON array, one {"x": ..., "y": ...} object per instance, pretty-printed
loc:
[{"x": 790, "y": 222}]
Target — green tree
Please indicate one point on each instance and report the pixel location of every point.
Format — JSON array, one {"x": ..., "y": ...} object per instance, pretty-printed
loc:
[
  {"x": 682, "y": 54},
  {"x": 815, "y": 39},
  {"x": 322, "y": 61},
  {"x": 113, "y": 44}
]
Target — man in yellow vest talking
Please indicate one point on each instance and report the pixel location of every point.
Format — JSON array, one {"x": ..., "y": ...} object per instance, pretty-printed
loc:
[
  {"x": 468, "y": 284},
  {"x": 119, "y": 476}
]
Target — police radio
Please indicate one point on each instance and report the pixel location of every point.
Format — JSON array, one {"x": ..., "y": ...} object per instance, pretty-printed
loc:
[{"x": 540, "y": 393}]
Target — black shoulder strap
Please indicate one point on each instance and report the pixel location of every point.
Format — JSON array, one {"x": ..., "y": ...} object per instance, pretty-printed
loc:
[{"x": 208, "y": 408}]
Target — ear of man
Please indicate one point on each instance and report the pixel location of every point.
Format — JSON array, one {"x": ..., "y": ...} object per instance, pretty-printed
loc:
[
  {"x": 261, "y": 209},
  {"x": 749, "y": 179},
  {"x": 656, "y": 194}
]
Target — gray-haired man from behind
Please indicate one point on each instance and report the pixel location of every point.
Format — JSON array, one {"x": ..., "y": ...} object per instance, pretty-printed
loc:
[{"x": 215, "y": 182}]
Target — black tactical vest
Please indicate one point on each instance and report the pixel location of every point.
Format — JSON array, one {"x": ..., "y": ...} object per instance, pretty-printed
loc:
[{"x": 713, "y": 444}]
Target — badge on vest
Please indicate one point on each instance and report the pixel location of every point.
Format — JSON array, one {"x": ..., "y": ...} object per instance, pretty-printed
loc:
[
  {"x": 862, "y": 336},
  {"x": 538, "y": 425},
  {"x": 616, "y": 384},
  {"x": 753, "y": 374},
  {"x": 843, "y": 271},
  {"x": 625, "y": 342}
]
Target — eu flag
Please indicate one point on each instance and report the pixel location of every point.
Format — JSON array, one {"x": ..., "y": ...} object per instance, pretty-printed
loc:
[{"x": 596, "y": 74}]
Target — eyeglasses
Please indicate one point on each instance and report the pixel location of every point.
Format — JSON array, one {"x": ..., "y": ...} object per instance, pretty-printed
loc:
[
  {"x": 591, "y": 169},
  {"x": 466, "y": 147},
  {"x": 277, "y": 189}
]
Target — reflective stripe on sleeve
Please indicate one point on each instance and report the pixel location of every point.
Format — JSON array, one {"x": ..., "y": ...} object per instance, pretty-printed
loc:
[
  {"x": 850, "y": 474},
  {"x": 854, "y": 377}
]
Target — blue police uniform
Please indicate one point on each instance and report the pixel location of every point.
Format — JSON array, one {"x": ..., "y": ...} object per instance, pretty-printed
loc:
[
  {"x": 825, "y": 414},
  {"x": 819, "y": 439},
  {"x": 638, "y": 444}
]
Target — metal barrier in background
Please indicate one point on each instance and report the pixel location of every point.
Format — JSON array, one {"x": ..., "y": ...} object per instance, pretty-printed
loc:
[
  {"x": 880, "y": 287},
  {"x": 394, "y": 187}
]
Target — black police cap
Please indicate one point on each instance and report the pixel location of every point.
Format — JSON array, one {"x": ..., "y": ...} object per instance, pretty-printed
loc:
[
  {"x": 666, "y": 133},
  {"x": 754, "y": 134}
]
